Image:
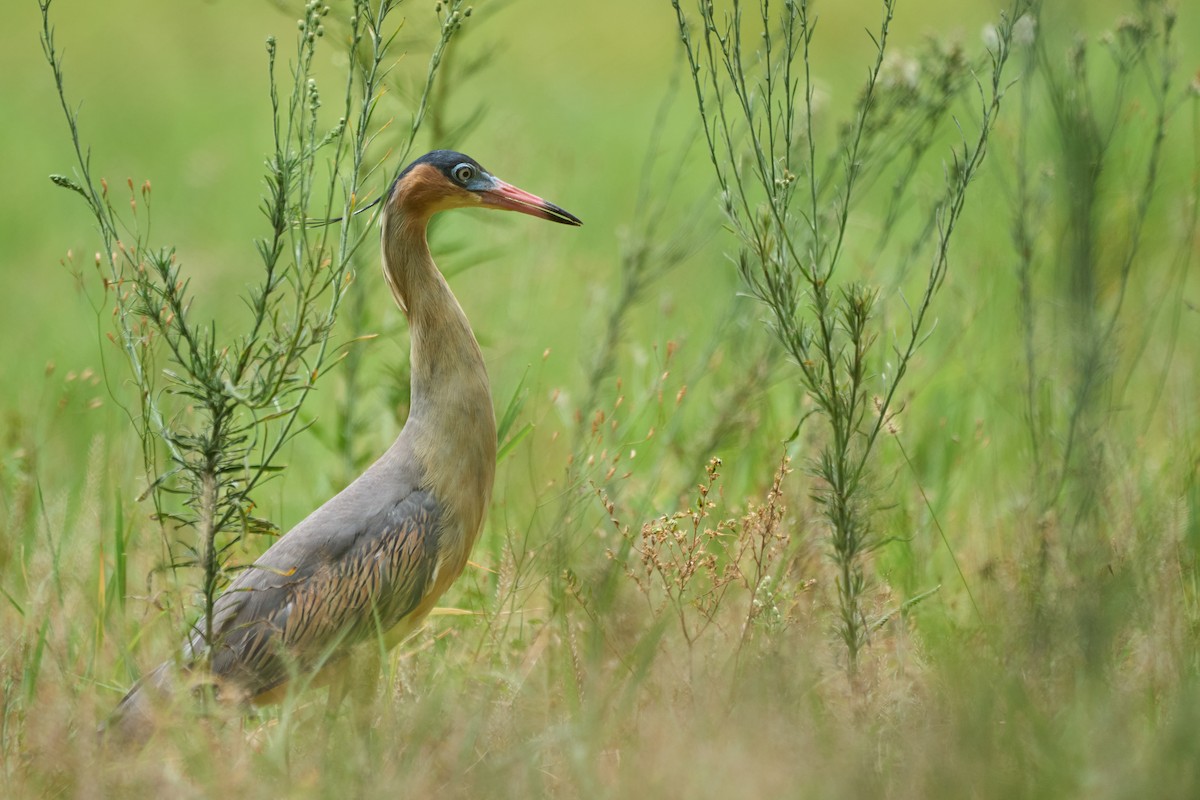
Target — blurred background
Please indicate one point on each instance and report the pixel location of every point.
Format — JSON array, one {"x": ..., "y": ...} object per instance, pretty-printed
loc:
[{"x": 1041, "y": 683}]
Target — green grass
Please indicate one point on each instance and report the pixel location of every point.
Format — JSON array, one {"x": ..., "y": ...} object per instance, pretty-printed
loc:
[{"x": 1077, "y": 674}]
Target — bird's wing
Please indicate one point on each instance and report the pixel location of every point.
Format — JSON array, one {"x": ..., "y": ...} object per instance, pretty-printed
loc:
[{"x": 320, "y": 589}]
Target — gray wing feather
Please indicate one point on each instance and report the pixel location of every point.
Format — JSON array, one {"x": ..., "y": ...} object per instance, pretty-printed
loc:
[
  {"x": 317, "y": 591},
  {"x": 358, "y": 564}
]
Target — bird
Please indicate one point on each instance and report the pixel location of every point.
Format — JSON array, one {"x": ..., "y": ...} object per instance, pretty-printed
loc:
[{"x": 372, "y": 560}]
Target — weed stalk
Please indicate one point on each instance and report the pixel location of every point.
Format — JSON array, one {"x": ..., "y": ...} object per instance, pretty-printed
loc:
[{"x": 791, "y": 216}]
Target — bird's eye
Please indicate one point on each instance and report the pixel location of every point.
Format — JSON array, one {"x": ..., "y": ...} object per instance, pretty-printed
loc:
[{"x": 464, "y": 173}]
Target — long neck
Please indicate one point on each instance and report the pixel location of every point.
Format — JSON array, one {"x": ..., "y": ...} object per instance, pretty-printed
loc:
[{"x": 451, "y": 426}]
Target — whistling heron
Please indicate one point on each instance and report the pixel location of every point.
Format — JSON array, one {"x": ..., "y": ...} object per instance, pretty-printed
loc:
[{"x": 373, "y": 560}]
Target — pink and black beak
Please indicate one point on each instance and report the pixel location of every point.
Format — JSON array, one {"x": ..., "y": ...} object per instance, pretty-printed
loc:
[{"x": 506, "y": 196}]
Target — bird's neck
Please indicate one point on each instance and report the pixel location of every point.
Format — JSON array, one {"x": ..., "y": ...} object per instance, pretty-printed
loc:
[{"x": 451, "y": 426}]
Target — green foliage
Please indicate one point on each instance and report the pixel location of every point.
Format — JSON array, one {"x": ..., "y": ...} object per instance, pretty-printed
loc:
[
  {"x": 791, "y": 216},
  {"x": 1029, "y": 595}
]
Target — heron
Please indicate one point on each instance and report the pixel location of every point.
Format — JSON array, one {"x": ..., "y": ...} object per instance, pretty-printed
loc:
[{"x": 371, "y": 561}]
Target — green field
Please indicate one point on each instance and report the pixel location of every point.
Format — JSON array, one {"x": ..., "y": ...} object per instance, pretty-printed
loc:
[{"x": 640, "y": 620}]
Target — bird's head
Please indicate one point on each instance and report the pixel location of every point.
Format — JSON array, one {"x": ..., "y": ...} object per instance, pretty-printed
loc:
[{"x": 444, "y": 179}]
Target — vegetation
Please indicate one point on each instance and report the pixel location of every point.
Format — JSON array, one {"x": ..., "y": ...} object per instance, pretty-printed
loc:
[{"x": 865, "y": 464}]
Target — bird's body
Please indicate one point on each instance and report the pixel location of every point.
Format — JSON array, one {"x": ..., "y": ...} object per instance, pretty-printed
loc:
[{"x": 372, "y": 561}]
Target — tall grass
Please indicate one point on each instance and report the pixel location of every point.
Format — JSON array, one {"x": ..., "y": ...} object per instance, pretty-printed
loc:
[
  {"x": 1079, "y": 237},
  {"x": 789, "y": 199},
  {"x": 653, "y": 609}
]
